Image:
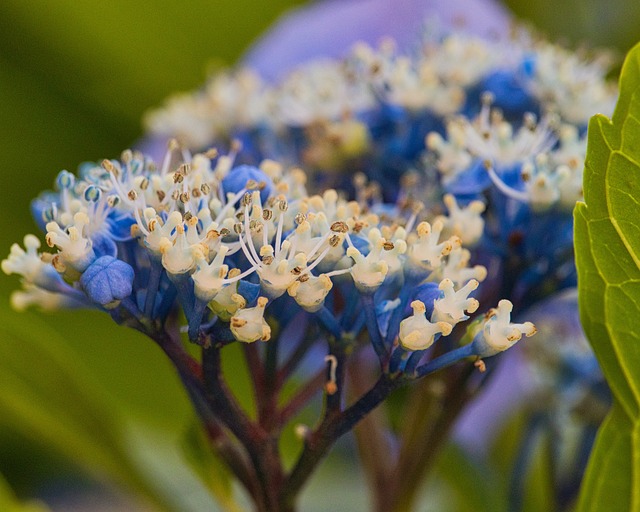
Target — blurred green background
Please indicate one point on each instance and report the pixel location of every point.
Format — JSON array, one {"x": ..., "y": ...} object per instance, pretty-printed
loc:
[{"x": 75, "y": 79}]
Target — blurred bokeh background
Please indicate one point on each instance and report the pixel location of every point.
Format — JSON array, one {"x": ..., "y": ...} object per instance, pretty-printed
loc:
[{"x": 75, "y": 78}]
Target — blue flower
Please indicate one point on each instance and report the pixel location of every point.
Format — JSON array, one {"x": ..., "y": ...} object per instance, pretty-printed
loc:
[
  {"x": 107, "y": 281},
  {"x": 238, "y": 178}
]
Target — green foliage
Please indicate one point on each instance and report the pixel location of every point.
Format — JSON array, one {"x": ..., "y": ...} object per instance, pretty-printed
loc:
[
  {"x": 48, "y": 396},
  {"x": 607, "y": 238},
  {"x": 9, "y": 503},
  {"x": 75, "y": 79},
  {"x": 606, "y": 23}
]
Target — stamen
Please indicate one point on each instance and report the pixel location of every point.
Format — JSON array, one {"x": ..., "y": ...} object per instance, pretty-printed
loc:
[
  {"x": 503, "y": 187},
  {"x": 331, "y": 387}
]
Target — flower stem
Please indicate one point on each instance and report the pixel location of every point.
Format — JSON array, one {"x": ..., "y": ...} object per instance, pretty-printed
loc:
[
  {"x": 261, "y": 445},
  {"x": 155, "y": 274},
  {"x": 374, "y": 330},
  {"x": 445, "y": 360},
  {"x": 190, "y": 373},
  {"x": 332, "y": 427}
]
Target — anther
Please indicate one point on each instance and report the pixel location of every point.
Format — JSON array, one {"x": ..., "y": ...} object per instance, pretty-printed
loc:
[
  {"x": 205, "y": 189},
  {"x": 126, "y": 156},
  {"x": 133, "y": 195},
  {"x": 360, "y": 179},
  {"x": 487, "y": 98},
  {"x": 108, "y": 166},
  {"x": 246, "y": 199},
  {"x": 339, "y": 227},
  {"x": 161, "y": 195},
  {"x": 267, "y": 214},
  {"x": 184, "y": 197},
  {"x": 334, "y": 241},
  {"x": 237, "y": 228},
  {"x": 331, "y": 387},
  {"x": 92, "y": 193},
  {"x": 57, "y": 263},
  {"x": 529, "y": 121},
  {"x": 480, "y": 365},
  {"x": 236, "y": 146},
  {"x": 388, "y": 246}
]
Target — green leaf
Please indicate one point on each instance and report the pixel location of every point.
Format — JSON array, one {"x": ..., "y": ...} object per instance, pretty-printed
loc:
[
  {"x": 47, "y": 395},
  {"x": 9, "y": 503},
  {"x": 462, "y": 473},
  {"x": 607, "y": 239}
]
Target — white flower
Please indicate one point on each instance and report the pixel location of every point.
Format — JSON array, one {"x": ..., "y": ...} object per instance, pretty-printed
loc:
[
  {"x": 499, "y": 333},
  {"x": 75, "y": 247},
  {"x": 417, "y": 333},
  {"x": 248, "y": 324},
  {"x": 451, "y": 307},
  {"x": 368, "y": 272},
  {"x": 465, "y": 223},
  {"x": 310, "y": 291},
  {"x": 427, "y": 251}
]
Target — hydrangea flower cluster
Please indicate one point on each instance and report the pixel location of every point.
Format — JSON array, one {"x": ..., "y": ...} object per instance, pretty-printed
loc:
[
  {"x": 460, "y": 117},
  {"x": 434, "y": 183},
  {"x": 374, "y": 107},
  {"x": 225, "y": 242},
  {"x": 244, "y": 251}
]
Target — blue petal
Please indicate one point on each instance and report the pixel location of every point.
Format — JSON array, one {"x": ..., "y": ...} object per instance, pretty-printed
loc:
[
  {"x": 469, "y": 183},
  {"x": 107, "y": 279},
  {"x": 426, "y": 293},
  {"x": 361, "y": 243},
  {"x": 103, "y": 245},
  {"x": 41, "y": 210},
  {"x": 384, "y": 311},
  {"x": 120, "y": 226},
  {"x": 237, "y": 179},
  {"x": 249, "y": 291},
  {"x": 509, "y": 89},
  {"x": 328, "y": 29}
]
